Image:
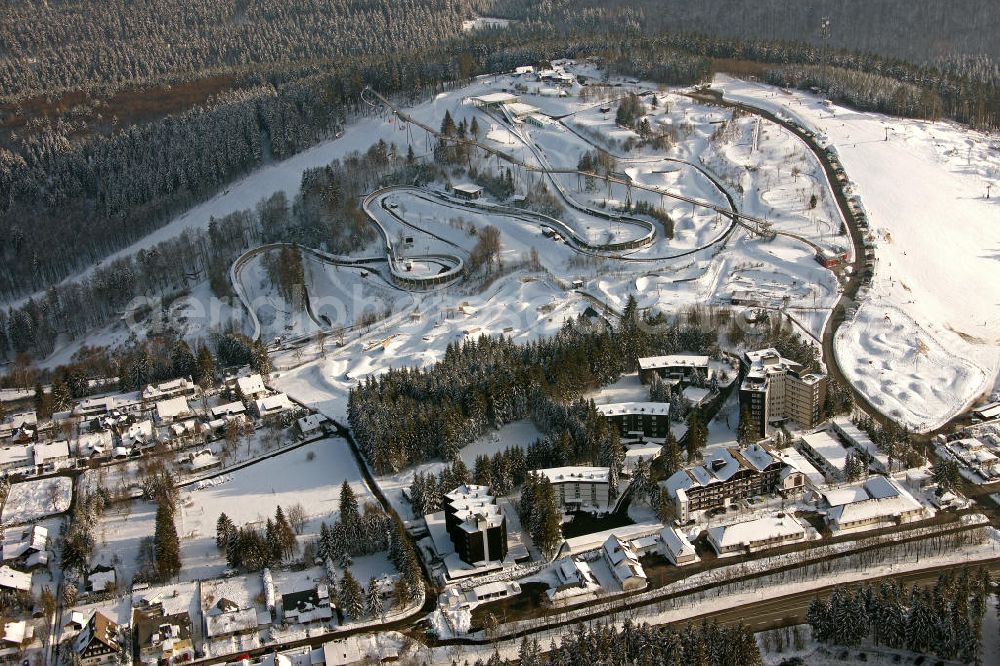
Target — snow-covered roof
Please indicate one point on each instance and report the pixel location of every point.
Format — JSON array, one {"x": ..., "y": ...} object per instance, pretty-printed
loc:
[
  {"x": 988, "y": 411},
  {"x": 203, "y": 460},
  {"x": 676, "y": 543},
  {"x": 520, "y": 109},
  {"x": 15, "y": 632},
  {"x": 228, "y": 409},
  {"x": 719, "y": 467},
  {"x": 576, "y": 474},
  {"x": 16, "y": 455},
  {"x": 172, "y": 408},
  {"x": 13, "y": 579},
  {"x": 622, "y": 559},
  {"x": 343, "y": 652},
  {"x": 878, "y": 498},
  {"x": 796, "y": 460},
  {"x": 172, "y": 387},
  {"x": 748, "y": 533},
  {"x": 827, "y": 447},
  {"x": 757, "y": 456},
  {"x": 31, "y": 539},
  {"x": 15, "y": 421},
  {"x": 695, "y": 394},
  {"x": 99, "y": 579},
  {"x": 467, "y": 188},
  {"x": 138, "y": 432},
  {"x": 860, "y": 439},
  {"x": 272, "y": 404},
  {"x": 311, "y": 422},
  {"x": 225, "y": 624},
  {"x": 495, "y": 98},
  {"x": 573, "y": 571},
  {"x": 251, "y": 385},
  {"x": 674, "y": 361},
  {"x": 628, "y": 408},
  {"x": 58, "y": 450}
]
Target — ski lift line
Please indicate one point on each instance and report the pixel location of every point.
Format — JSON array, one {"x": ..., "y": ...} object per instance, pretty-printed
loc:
[{"x": 753, "y": 224}]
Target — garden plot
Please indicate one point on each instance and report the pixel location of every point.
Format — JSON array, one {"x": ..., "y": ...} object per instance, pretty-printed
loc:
[
  {"x": 31, "y": 500},
  {"x": 310, "y": 475}
]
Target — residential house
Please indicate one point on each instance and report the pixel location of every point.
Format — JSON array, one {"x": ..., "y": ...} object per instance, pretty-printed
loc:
[
  {"x": 227, "y": 618},
  {"x": 312, "y": 424},
  {"x": 16, "y": 457},
  {"x": 251, "y": 386},
  {"x": 50, "y": 453},
  {"x": 272, "y": 405},
  {"x": 12, "y": 579},
  {"x": 138, "y": 434},
  {"x": 676, "y": 547},
  {"x": 20, "y": 543},
  {"x": 623, "y": 561},
  {"x": 172, "y": 409},
  {"x": 102, "y": 578},
  {"x": 98, "y": 642},
  {"x": 182, "y": 387},
  {"x": 307, "y": 606},
  {"x": 573, "y": 576},
  {"x": 228, "y": 410},
  {"x": 163, "y": 638}
]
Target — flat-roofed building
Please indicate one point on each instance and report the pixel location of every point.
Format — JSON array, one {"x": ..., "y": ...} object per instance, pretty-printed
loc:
[
  {"x": 638, "y": 419},
  {"x": 775, "y": 390},
  {"x": 826, "y": 452},
  {"x": 684, "y": 368},
  {"x": 579, "y": 487},
  {"x": 476, "y": 524}
]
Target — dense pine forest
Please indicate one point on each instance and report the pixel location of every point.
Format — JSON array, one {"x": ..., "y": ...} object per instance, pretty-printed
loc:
[{"x": 645, "y": 645}]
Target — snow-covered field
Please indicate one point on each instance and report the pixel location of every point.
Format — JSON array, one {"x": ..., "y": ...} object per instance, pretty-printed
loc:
[
  {"x": 31, "y": 500},
  {"x": 310, "y": 475},
  {"x": 938, "y": 242}
]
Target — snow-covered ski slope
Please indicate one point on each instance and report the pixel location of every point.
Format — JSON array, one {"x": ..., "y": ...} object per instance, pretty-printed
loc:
[{"x": 927, "y": 341}]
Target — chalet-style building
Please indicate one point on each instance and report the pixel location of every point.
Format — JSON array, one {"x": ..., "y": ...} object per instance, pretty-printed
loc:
[{"x": 729, "y": 475}]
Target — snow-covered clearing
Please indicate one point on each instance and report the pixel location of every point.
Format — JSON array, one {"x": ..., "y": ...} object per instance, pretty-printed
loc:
[
  {"x": 519, "y": 433},
  {"x": 31, "y": 500},
  {"x": 310, "y": 475},
  {"x": 938, "y": 243}
]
